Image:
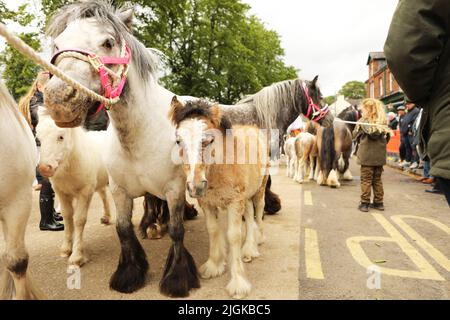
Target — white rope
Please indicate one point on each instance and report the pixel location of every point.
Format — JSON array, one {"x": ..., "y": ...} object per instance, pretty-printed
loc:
[
  {"x": 362, "y": 123},
  {"x": 27, "y": 51}
]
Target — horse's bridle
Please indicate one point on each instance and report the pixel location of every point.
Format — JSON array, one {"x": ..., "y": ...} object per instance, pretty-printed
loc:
[
  {"x": 314, "y": 113},
  {"x": 100, "y": 64}
]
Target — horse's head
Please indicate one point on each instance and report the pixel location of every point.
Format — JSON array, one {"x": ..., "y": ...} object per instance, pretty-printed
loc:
[
  {"x": 312, "y": 106},
  {"x": 200, "y": 126},
  {"x": 56, "y": 143},
  {"x": 86, "y": 30}
]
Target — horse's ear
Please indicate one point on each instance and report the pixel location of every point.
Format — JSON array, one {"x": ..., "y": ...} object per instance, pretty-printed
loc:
[
  {"x": 314, "y": 82},
  {"x": 175, "y": 107},
  {"x": 127, "y": 17}
]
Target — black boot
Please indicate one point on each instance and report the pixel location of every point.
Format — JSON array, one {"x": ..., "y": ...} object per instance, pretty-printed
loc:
[
  {"x": 48, "y": 222},
  {"x": 377, "y": 206},
  {"x": 363, "y": 207}
]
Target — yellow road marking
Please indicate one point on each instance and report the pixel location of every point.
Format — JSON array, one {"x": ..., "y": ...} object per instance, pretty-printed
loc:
[
  {"x": 426, "y": 270},
  {"x": 437, "y": 255},
  {"x": 312, "y": 256},
  {"x": 307, "y": 198}
]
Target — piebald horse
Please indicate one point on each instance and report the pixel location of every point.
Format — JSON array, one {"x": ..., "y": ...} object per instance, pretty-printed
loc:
[
  {"x": 18, "y": 160},
  {"x": 138, "y": 164}
]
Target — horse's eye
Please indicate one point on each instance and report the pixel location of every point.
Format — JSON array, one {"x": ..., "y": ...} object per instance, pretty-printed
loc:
[
  {"x": 60, "y": 138},
  {"x": 108, "y": 44}
]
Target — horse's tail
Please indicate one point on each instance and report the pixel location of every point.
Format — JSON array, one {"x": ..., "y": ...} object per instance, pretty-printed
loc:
[
  {"x": 8, "y": 290},
  {"x": 328, "y": 151},
  {"x": 272, "y": 201}
]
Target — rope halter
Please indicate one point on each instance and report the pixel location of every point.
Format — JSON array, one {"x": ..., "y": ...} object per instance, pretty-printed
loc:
[
  {"x": 112, "y": 87},
  {"x": 315, "y": 113}
]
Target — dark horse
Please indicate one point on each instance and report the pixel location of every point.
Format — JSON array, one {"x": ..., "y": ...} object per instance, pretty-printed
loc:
[{"x": 351, "y": 114}]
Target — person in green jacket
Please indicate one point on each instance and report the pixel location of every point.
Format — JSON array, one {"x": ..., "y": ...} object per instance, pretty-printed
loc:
[
  {"x": 418, "y": 53},
  {"x": 372, "y": 135}
]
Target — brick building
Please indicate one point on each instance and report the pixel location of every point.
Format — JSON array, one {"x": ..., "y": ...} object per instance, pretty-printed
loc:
[{"x": 382, "y": 84}]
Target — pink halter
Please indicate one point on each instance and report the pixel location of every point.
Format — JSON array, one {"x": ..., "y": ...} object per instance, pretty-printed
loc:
[
  {"x": 99, "y": 63},
  {"x": 315, "y": 113}
]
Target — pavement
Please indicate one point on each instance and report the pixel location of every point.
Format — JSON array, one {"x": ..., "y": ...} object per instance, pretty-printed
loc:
[
  {"x": 273, "y": 276},
  {"x": 402, "y": 253},
  {"x": 319, "y": 247}
]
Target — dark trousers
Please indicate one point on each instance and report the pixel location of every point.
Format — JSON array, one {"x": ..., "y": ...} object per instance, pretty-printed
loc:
[
  {"x": 47, "y": 190},
  {"x": 371, "y": 179},
  {"x": 411, "y": 154},
  {"x": 444, "y": 184},
  {"x": 402, "y": 149}
]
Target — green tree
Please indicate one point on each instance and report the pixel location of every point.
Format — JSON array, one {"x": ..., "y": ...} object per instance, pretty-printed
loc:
[
  {"x": 353, "y": 90},
  {"x": 214, "y": 48},
  {"x": 330, "y": 100},
  {"x": 19, "y": 72}
]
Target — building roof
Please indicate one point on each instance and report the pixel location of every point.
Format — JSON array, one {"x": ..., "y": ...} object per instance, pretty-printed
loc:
[{"x": 376, "y": 56}]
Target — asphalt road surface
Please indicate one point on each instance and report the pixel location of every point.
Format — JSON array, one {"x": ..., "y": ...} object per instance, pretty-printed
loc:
[
  {"x": 319, "y": 247},
  {"x": 402, "y": 253},
  {"x": 273, "y": 276}
]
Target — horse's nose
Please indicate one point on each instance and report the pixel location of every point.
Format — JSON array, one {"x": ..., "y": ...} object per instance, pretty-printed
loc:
[{"x": 199, "y": 190}]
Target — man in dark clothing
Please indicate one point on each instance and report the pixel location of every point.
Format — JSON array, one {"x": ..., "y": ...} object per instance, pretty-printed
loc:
[
  {"x": 401, "y": 116},
  {"x": 418, "y": 53},
  {"x": 408, "y": 133}
]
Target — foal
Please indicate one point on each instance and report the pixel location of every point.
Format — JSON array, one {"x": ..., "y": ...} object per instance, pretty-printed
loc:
[
  {"x": 306, "y": 153},
  {"x": 72, "y": 159},
  {"x": 235, "y": 190}
]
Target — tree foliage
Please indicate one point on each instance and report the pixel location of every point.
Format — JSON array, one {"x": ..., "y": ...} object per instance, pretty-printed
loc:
[
  {"x": 329, "y": 100},
  {"x": 353, "y": 90},
  {"x": 214, "y": 48},
  {"x": 19, "y": 72}
]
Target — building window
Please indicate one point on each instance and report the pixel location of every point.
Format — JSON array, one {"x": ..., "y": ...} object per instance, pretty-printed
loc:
[
  {"x": 391, "y": 82},
  {"x": 372, "y": 89},
  {"x": 381, "y": 87},
  {"x": 371, "y": 68}
]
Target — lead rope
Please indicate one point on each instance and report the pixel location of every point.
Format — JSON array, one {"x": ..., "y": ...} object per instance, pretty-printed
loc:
[{"x": 27, "y": 51}]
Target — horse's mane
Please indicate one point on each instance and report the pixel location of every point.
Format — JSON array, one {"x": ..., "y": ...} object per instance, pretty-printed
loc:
[
  {"x": 145, "y": 60},
  {"x": 269, "y": 100}
]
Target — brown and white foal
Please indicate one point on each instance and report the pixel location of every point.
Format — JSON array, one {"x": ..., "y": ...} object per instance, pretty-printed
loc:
[{"x": 226, "y": 169}]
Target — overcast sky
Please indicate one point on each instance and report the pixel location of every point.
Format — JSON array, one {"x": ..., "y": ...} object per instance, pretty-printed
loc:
[{"x": 329, "y": 38}]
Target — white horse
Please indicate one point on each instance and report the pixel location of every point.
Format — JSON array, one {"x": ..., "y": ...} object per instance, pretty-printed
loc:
[
  {"x": 18, "y": 159},
  {"x": 142, "y": 139},
  {"x": 291, "y": 157},
  {"x": 72, "y": 160}
]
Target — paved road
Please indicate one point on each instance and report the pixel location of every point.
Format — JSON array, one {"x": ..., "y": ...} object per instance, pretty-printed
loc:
[
  {"x": 274, "y": 275},
  {"x": 409, "y": 243}
]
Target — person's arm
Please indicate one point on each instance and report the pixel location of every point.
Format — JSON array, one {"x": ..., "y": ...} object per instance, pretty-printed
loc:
[{"x": 416, "y": 40}]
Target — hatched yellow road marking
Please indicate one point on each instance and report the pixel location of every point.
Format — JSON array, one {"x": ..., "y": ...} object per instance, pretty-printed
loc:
[
  {"x": 437, "y": 255},
  {"x": 426, "y": 270},
  {"x": 312, "y": 256},
  {"x": 307, "y": 198}
]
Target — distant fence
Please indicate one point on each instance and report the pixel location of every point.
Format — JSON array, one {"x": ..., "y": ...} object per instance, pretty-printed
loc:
[{"x": 393, "y": 147}]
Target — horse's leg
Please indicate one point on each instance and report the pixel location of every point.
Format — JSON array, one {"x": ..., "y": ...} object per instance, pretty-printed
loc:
[
  {"x": 238, "y": 287},
  {"x": 133, "y": 266},
  {"x": 215, "y": 266},
  {"x": 180, "y": 273},
  {"x": 333, "y": 180},
  {"x": 311, "y": 167},
  {"x": 78, "y": 257},
  {"x": 106, "y": 219},
  {"x": 272, "y": 202},
  {"x": 347, "y": 174},
  {"x": 288, "y": 165},
  {"x": 67, "y": 212},
  {"x": 15, "y": 218},
  {"x": 250, "y": 247}
]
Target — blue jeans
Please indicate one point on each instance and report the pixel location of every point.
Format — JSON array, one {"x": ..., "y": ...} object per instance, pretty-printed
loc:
[{"x": 426, "y": 169}]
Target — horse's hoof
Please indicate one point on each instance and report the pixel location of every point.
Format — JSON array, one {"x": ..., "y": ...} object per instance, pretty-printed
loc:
[
  {"x": 239, "y": 287},
  {"x": 211, "y": 270},
  {"x": 105, "y": 221},
  {"x": 65, "y": 253},
  {"x": 154, "y": 232},
  {"x": 249, "y": 253},
  {"x": 78, "y": 261},
  {"x": 128, "y": 278}
]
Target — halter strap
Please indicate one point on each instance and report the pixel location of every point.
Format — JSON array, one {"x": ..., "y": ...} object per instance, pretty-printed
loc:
[
  {"x": 314, "y": 113},
  {"x": 99, "y": 63}
]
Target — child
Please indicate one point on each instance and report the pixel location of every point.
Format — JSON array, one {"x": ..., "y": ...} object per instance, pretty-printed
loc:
[{"x": 371, "y": 139}]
